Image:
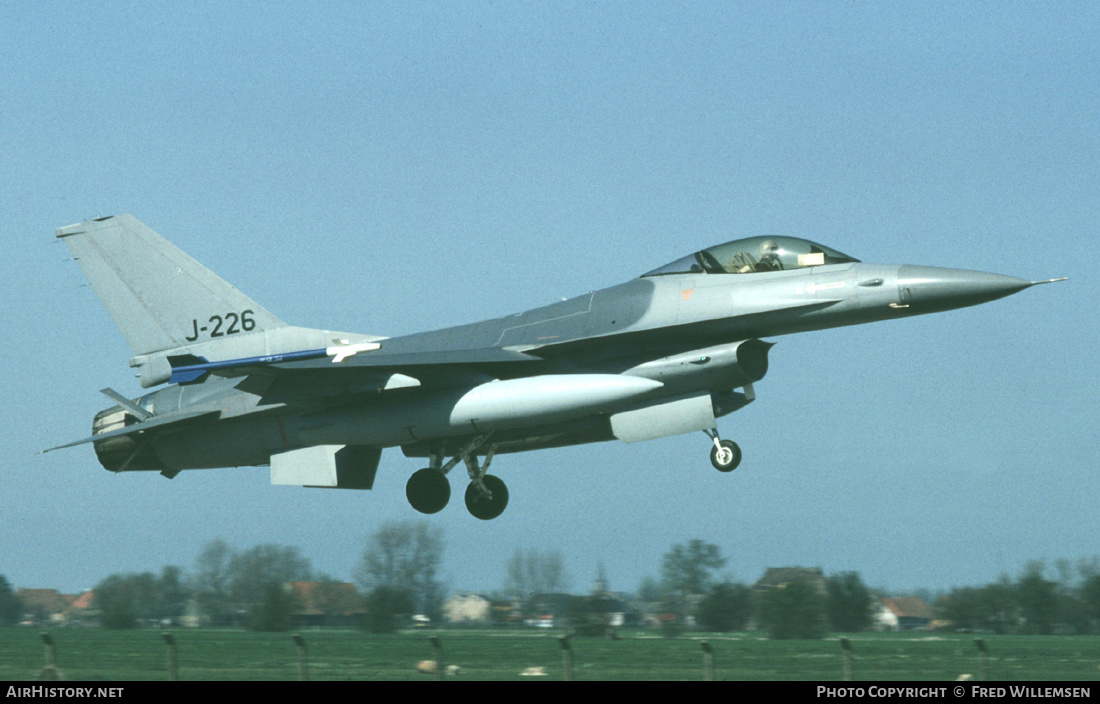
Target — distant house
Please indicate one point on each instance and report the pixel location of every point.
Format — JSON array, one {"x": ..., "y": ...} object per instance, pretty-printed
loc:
[
  {"x": 903, "y": 613},
  {"x": 505, "y": 612},
  {"x": 778, "y": 577},
  {"x": 48, "y": 606},
  {"x": 82, "y": 603},
  {"x": 326, "y": 603},
  {"x": 546, "y": 610},
  {"x": 467, "y": 608},
  {"x": 600, "y": 613}
]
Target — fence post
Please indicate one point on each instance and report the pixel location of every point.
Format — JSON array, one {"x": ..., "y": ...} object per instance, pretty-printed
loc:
[
  {"x": 708, "y": 662},
  {"x": 983, "y": 673},
  {"x": 438, "y": 648},
  {"x": 846, "y": 645},
  {"x": 50, "y": 671},
  {"x": 566, "y": 656},
  {"x": 173, "y": 661},
  {"x": 51, "y": 652},
  {"x": 303, "y": 661}
]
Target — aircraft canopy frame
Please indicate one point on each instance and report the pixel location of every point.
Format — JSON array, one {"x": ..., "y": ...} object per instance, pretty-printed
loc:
[{"x": 754, "y": 255}]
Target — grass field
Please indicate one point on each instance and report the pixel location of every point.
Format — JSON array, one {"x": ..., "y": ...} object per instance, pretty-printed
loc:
[{"x": 222, "y": 654}]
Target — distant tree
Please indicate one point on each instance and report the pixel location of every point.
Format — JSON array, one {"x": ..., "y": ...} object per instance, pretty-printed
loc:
[
  {"x": 209, "y": 581},
  {"x": 726, "y": 607},
  {"x": 650, "y": 590},
  {"x": 11, "y": 608},
  {"x": 1038, "y": 600},
  {"x": 275, "y": 611},
  {"x": 535, "y": 571},
  {"x": 1032, "y": 603},
  {"x": 254, "y": 573},
  {"x": 1073, "y": 612},
  {"x": 958, "y": 608},
  {"x": 999, "y": 609},
  {"x": 686, "y": 569},
  {"x": 992, "y": 607},
  {"x": 1088, "y": 567},
  {"x": 793, "y": 610},
  {"x": 386, "y": 604},
  {"x": 171, "y": 593},
  {"x": 405, "y": 555},
  {"x": 1089, "y": 593},
  {"x": 849, "y": 603},
  {"x": 124, "y": 600}
]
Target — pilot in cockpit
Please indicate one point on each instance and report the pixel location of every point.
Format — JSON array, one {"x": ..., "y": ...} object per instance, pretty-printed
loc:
[{"x": 769, "y": 257}]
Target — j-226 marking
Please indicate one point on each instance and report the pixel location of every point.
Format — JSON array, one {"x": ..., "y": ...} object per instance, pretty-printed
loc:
[{"x": 237, "y": 322}]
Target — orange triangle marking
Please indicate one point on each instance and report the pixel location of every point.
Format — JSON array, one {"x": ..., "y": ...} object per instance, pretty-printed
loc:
[{"x": 687, "y": 293}]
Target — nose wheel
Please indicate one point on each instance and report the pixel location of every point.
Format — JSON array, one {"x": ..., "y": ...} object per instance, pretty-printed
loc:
[{"x": 725, "y": 455}]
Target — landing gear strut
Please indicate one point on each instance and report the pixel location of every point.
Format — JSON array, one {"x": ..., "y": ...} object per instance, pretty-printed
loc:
[
  {"x": 428, "y": 490},
  {"x": 725, "y": 455}
]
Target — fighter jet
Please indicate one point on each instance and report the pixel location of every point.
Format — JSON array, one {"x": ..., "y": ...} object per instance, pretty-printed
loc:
[{"x": 663, "y": 354}]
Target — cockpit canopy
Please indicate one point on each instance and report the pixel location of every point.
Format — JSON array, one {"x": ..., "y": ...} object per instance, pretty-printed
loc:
[{"x": 754, "y": 255}]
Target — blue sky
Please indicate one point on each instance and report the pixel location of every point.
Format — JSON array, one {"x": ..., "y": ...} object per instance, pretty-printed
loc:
[{"x": 395, "y": 167}]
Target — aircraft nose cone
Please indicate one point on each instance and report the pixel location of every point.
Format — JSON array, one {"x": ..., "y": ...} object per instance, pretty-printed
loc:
[{"x": 928, "y": 288}]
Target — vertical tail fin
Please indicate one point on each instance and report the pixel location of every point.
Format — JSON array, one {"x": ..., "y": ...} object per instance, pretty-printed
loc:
[
  {"x": 170, "y": 307},
  {"x": 160, "y": 298}
]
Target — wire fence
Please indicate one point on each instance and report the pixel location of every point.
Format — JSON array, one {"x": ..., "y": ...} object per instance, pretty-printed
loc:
[{"x": 644, "y": 658}]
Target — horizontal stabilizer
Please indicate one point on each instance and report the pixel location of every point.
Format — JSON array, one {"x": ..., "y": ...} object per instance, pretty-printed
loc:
[
  {"x": 134, "y": 409},
  {"x": 154, "y": 422}
]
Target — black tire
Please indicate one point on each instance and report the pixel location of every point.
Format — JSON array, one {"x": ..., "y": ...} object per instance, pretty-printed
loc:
[
  {"x": 428, "y": 490},
  {"x": 484, "y": 507},
  {"x": 728, "y": 459}
]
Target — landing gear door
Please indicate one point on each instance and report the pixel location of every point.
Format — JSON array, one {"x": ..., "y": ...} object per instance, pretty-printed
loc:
[{"x": 683, "y": 414}]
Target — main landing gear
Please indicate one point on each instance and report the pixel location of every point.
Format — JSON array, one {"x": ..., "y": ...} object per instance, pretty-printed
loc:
[
  {"x": 486, "y": 497},
  {"x": 725, "y": 455}
]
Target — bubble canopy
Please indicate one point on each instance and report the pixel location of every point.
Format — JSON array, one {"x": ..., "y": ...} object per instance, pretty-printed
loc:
[{"x": 754, "y": 255}]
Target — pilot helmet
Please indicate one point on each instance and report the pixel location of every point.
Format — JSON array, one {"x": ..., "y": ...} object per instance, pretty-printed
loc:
[{"x": 769, "y": 255}]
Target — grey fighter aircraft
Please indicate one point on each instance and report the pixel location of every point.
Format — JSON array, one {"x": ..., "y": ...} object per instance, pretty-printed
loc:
[{"x": 663, "y": 354}]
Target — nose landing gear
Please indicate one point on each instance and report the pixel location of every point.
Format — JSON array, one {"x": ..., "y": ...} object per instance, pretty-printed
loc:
[{"x": 725, "y": 455}]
